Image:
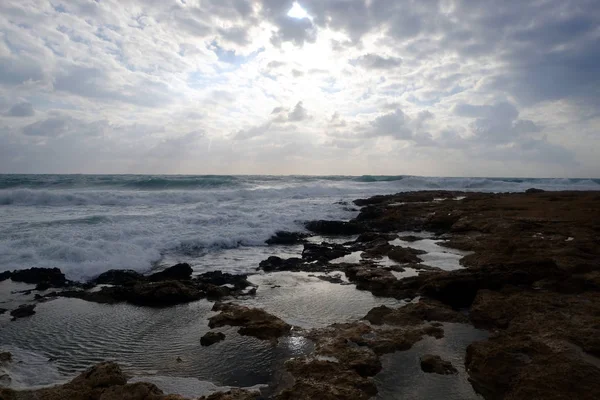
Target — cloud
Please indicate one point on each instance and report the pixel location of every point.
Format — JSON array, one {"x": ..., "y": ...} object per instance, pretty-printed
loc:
[
  {"x": 375, "y": 61},
  {"x": 21, "y": 110},
  {"x": 298, "y": 114},
  {"x": 51, "y": 127}
]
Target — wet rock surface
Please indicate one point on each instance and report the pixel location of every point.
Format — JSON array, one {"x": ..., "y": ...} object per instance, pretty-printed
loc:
[
  {"x": 48, "y": 277},
  {"x": 25, "y": 310},
  {"x": 287, "y": 238},
  {"x": 252, "y": 321},
  {"x": 105, "y": 381},
  {"x": 235, "y": 394},
  {"x": 211, "y": 338},
  {"x": 434, "y": 364}
]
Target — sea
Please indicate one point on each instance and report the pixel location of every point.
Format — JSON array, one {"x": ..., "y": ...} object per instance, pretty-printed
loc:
[{"x": 88, "y": 224}]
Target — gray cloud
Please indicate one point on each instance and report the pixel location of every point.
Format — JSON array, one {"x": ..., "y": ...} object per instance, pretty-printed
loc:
[
  {"x": 375, "y": 61},
  {"x": 21, "y": 110}
]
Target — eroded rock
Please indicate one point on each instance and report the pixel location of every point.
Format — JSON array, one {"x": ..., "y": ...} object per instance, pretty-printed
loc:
[
  {"x": 211, "y": 338},
  {"x": 287, "y": 238},
  {"x": 434, "y": 364},
  {"x": 234, "y": 394},
  {"x": 24, "y": 310},
  {"x": 50, "y": 276},
  {"x": 252, "y": 321}
]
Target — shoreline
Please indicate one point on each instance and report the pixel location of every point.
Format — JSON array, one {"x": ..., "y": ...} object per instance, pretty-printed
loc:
[{"x": 531, "y": 278}]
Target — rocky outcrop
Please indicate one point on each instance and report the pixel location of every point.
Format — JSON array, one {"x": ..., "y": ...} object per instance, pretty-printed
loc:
[
  {"x": 104, "y": 381},
  {"x": 50, "y": 277},
  {"x": 414, "y": 314},
  {"x": 434, "y": 364},
  {"x": 323, "y": 227},
  {"x": 323, "y": 252},
  {"x": 252, "y": 321},
  {"x": 287, "y": 238},
  {"x": 177, "y": 272},
  {"x": 211, "y": 338},
  {"x": 119, "y": 277},
  {"x": 24, "y": 310}
]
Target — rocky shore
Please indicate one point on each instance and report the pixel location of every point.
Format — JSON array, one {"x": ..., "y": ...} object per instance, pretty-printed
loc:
[{"x": 531, "y": 276}]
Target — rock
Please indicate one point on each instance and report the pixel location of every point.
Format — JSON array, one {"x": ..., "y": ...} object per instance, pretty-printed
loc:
[
  {"x": 5, "y": 275},
  {"x": 211, "y": 338},
  {"x": 119, "y": 277},
  {"x": 323, "y": 252},
  {"x": 253, "y": 321},
  {"x": 534, "y": 190},
  {"x": 5, "y": 357},
  {"x": 323, "y": 227},
  {"x": 434, "y": 364},
  {"x": 531, "y": 367},
  {"x": 337, "y": 279},
  {"x": 275, "y": 263},
  {"x": 374, "y": 236},
  {"x": 24, "y": 310},
  {"x": 51, "y": 276},
  {"x": 287, "y": 238},
  {"x": 325, "y": 380},
  {"x": 104, "y": 381},
  {"x": 233, "y": 394},
  {"x": 414, "y": 314},
  {"x": 3, "y": 310},
  {"x": 404, "y": 255},
  {"x": 218, "y": 278},
  {"x": 410, "y": 238},
  {"x": 176, "y": 272}
]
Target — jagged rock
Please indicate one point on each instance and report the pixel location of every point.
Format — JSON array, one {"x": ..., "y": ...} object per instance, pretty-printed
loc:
[
  {"x": 252, "y": 321},
  {"x": 5, "y": 275},
  {"x": 531, "y": 367},
  {"x": 325, "y": 380},
  {"x": 233, "y": 394},
  {"x": 119, "y": 277},
  {"x": 334, "y": 227},
  {"x": 323, "y": 252},
  {"x": 434, "y": 364},
  {"x": 24, "y": 310},
  {"x": 375, "y": 236},
  {"x": 177, "y": 272},
  {"x": 211, "y": 338},
  {"x": 275, "y": 263},
  {"x": 414, "y": 314},
  {"x": 218, "y": 278},
  {"x": 104, "y": 381},
  {"x": 51, "y": 276},
  {"x": 287, "y": 238}
]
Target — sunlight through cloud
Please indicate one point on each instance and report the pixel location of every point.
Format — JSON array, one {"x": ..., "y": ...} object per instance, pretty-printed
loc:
[{"x": 297, "y": 12}]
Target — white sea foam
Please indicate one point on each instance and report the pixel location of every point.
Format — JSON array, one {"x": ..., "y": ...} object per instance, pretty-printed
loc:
[{"x": 88, "y": 224}]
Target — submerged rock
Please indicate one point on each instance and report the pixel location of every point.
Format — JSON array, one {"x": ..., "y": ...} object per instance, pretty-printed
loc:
[
  {"x": 252, "y": 321},
  {"x": 211, "y": 338},
  {"x": 434, "y": 364},
  {"x": 24, "y": 310},
  {"x": 104, "y": 381},
  {"x": 5, "y": 357},
  {"x": 323, "y": 252},
  {"x": 414, "y": 314},
  {"x": 287, "y": 238}
]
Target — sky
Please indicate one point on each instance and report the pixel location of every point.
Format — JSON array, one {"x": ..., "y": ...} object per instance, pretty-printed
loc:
[{"x": 340, "y": 87}]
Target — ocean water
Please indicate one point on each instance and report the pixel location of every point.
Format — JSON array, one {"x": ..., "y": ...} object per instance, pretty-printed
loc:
[{"x": 87, "y": 224}]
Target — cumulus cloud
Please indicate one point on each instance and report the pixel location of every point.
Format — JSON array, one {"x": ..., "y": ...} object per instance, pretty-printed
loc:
[{"x": 375, "y": 61}]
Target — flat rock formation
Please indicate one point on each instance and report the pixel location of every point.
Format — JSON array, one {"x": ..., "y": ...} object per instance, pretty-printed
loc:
[
  {"x": 252, "y": 321},
  {"x": 434, "y": 364}
]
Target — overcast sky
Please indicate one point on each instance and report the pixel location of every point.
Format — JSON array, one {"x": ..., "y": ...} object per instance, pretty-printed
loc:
[{"x": 423, "y": 87}]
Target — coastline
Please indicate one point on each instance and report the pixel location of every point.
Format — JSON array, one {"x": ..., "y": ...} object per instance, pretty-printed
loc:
[{"x": 530, "y": 278}]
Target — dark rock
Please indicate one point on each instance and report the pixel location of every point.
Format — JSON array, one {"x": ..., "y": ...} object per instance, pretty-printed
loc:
[
  {"x": 334, "y": 227},
  {"x": 177, "y": 272},
  {"x": 233, "y": 394},
  {"x": 51, "y": 276},
  {"x": 5, "y": 357},
  {"x": 405, "y": 255},
  {"x": 373, "y": 236},
  {"x": 5, "y": 275},
  {"x": 434, "y": 364},
  {"x": 119, "y": 277},
  {"x": 211, "y": 338},
  {"x": 104, "y": 381},
  {"x": 414, "y": 314},
  {"x": 3, "y": 310},
  {"x": 219, "y": 278},
  {"x": 253, "y": 321},
  {"x": 410, "y": 238},
  {"x": 323, "y": 252},
  {"x": 275, "y": 263},
  {"x": 24, "y": 310},
  {"x": 534, "y": 190},
  {"x": 287, "y": 238},
  {"x": 337, "y": 278}
]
